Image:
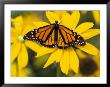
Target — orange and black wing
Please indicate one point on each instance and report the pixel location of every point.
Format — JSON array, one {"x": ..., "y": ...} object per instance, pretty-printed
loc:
[
  {"x": 44, "y": 35},
  {"x": 67, "y": 37}
]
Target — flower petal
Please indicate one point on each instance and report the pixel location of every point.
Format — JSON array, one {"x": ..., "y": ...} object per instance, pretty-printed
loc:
[
  {"x": 14, "y": 35},
  {"x": 58, "y": 56},
  {"x": 22, "y": 57},
  {"x": 29, "y": 18},
  {"x": 90, "y": 33},
  {"x": 28, "y": 22},
  {"x": 44, "y": 51},
  {"x": 75, "y": 19},
  {"x": 64, "y": 62},
  {"x": 74, "y": 61},
  {"x": 33, "y": 45},
  {"x": 18, "y": 24},
  {"x": 65, "y": 18},
  {"x": 40, "y": 24},
  {"x": 96, "y": 58},
  {"x": 83, "y": 27},
  {"x": 55, "y": 56},
  {"x": 89, "y": 49},
  {"x": 13, "y": 69},
  {"x": 60, "y": 13},
  {"x": 15, "y": 48},
  {"x": 81, "y": 54},
  {"x": 52, "y": 17},
  {"x": 28, "y": 28},
  {"x": 96, "y": 15}
]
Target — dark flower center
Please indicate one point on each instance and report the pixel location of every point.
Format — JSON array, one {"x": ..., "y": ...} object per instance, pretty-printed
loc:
[{"x": 88, "y": 66}]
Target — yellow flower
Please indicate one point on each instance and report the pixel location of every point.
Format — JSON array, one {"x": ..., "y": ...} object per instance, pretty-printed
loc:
[
  {"x": 19, "y": 73},
  {"x": 21, "y": 25},
  {"x": 68, "y": 58}
]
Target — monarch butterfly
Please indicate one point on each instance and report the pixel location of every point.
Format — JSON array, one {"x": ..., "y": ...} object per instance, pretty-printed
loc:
[{"x": 55, "y": 35}]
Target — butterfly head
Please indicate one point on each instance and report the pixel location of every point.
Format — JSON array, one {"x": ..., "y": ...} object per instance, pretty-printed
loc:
[
  {"x": 56, "y": 25},
  {"x": 56, "y": 22}
]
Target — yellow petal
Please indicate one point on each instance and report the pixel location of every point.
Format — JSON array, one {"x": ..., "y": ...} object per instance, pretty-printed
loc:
[
  {"x": 81, "y": 54},
  {"x": 75, "y": 19},
  {"x": 22, "y": 57},
  {"x": 52, "y": 17},
  {"x": 28, "y": 28},
  {"x": 33, "y": 45},
  {"x": 96, "y": 58},
  {"x": 89, "y": 49},
  {"x": 13, "y": 69},
  {"x": 96, "y": 15},
  {"x": 40, "y": 24},
  {"x": 66, "y": 20},
  {"x": 83, "y": 27},
  {"x": 64, "y": 62},
  {"x": 44, "y": 50},
  {"x": 70, "y": 21},
  {"x": 60, "y": 13},
  {"x": 55, "y": 56},
  {"x": 74, "y": 61},
  {"x": 18, "y": 23},
  {"x": 90, "y": 33},
  {"x": 29, "y": 18},
  {"x": 58, "y": 56},
  {"x": 15, "y": 48},
  {"x": 14, "y": 35}
]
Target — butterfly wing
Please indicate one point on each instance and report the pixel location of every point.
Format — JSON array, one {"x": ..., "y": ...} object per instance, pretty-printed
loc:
[
  {"x": 50, "y": 41},
  {"x": 44, "y": 35},
  {"x": 67, "y": 37}
]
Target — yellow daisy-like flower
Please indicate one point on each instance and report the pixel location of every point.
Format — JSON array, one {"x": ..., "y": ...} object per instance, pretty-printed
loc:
[
  {"x": 21, "y": 25},
  {"x": 68, "y": 58}
]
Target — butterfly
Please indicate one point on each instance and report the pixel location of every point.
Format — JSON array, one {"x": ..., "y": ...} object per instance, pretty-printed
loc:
[{"x": 55, "y": 35}]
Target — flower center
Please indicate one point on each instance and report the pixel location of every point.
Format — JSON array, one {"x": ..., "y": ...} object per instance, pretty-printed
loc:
[
  {"x": 88, "y": 67},
  {"x": 20, "y": 38}
]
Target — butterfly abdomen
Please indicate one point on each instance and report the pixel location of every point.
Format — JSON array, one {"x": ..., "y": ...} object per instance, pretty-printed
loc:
[{"x": 56, "y": 27}]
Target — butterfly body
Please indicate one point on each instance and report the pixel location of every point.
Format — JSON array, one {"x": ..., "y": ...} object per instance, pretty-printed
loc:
[{"x": 55, "y": 35}]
